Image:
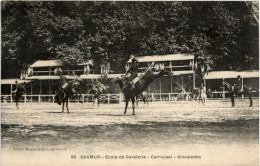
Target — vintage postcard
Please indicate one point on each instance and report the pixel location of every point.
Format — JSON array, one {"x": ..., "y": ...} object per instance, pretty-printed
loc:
[{"x": 129, "y": 83}]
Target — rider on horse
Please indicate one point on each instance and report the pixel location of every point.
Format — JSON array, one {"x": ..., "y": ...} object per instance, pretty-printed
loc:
[
  {"x": 131, "y": 75},
  {"x": 63, "y": 83},
  {"x": 18, "y": 92},
  {"x": 98, "y": 86},
  {"x": 17, "y": 86}
]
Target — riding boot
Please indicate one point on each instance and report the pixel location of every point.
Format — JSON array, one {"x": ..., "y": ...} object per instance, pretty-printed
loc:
[
  {"x": 251, "y": 103},
  {"x": 63, "y": 94}
]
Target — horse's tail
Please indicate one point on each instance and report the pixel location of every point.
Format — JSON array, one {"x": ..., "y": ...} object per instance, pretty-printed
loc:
[{"x": 57, "y": 98}]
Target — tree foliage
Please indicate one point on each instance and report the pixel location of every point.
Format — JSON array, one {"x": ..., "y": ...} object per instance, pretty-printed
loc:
[{"x": 223, "y": 33}]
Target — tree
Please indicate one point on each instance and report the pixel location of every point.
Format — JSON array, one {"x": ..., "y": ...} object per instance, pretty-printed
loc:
[{"x": 222, "y": 33}]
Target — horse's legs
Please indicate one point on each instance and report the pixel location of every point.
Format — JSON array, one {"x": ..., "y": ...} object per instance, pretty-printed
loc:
[
  {"x": 98, "y": 101},
  {"x": 62, "y": 106},
  {"x": 133, "y": 105},
  {"x": 251, "y": 100},
  {"x": 17, "y": 103},
  {"x": 94, "y": 101},
  {"x": 232, "y": 100},
  {"x": 67, "y": 103},
  {"x": 126, "y": 105}
]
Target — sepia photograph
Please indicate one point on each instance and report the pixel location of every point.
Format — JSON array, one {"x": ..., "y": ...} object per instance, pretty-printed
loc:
[{"x": 156, "y": 83}]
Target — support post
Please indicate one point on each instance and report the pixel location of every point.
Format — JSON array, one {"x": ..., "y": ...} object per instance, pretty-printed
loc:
[
  {"x": 223, "y": 93},
  {"x": 242, "y": 88},
  {"x": 160, "y": 89},
  {"x": 108, "y": 98},
  {"x": 49, "y": 87},
  {"x": 194, "y": 82},
  {"x": 40, "y": 87},
  {"x": 171, "y": 83},
  {"x": 119, "y": 98},
  {"x": 182, "y": 86},
  {"x": 31, "y": 91},
  {"x": 11, "y": 93},
  {"x": 40, "y": 91}
]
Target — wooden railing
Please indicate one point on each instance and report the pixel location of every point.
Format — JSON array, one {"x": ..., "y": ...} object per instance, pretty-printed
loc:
[{"x": 108, "y": 98}]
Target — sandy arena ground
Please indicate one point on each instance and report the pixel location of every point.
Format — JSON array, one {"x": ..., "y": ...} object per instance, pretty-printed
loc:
[{"x": 214, "y": 133}]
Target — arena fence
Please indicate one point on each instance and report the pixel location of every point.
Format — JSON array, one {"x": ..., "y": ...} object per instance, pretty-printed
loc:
[{"x": 113, "y": 98}]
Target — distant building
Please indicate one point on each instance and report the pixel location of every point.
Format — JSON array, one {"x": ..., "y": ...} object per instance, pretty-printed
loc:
[
  {"x": 42, "y": 79},
  {"x": 182, "y": 80},
  {"x": 213, "y": 81}
]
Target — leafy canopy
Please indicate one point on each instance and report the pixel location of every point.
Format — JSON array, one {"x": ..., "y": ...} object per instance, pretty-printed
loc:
[{"x": 223, "y": 33}]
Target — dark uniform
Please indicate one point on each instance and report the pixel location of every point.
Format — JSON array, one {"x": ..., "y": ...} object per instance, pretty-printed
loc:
[
  {"x": 133, "y": 71},
  {"x": 232, "y": 93},
  {"x": 64, "y": 84},
  {"x": 17, "y": 86}
]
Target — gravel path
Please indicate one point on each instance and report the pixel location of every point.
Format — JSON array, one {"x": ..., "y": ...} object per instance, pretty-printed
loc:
[{"x": 212, "y": 131}]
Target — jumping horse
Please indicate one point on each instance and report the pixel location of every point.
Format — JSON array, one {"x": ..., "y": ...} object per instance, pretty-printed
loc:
[
  {"x": 63, "y": 95},
  {"x": 131, "y": 93},
  {"x": 233, "y": 91},
  {"x": 96, "y": 92}
]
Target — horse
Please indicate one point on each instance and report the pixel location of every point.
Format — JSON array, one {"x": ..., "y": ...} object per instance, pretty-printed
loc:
[
  {"x": 131, "y": 93},
  {"x": 18, "y": 93},
  {"x": 143, "y": 97},
  {"x": 62, "y": 97},
  {"x": 96, "y": 92},
  {"x": 233, "y": 91},
  {"x": 197, "y": 93},
  {"x": 249, "y": 92}
]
